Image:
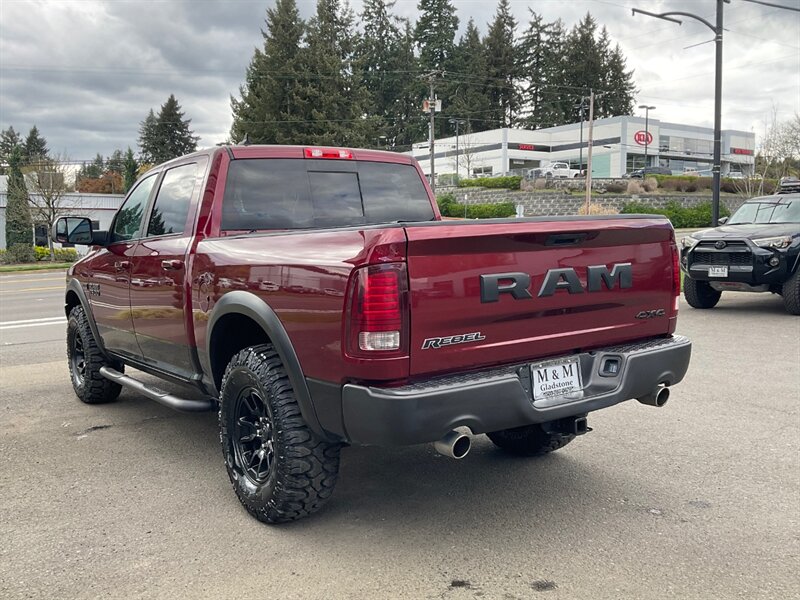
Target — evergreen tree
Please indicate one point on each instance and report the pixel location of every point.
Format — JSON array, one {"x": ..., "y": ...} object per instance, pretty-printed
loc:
[
  {"x": 328, "y": 103},
  {"x": 542, "y": 67},
  {"x": 9, "y": 139},
  {"x": 148, "y": 138},
  {"x": 501, "y": 66},
  {"x": 116, "y": 162},
  {"x": 129, "y": 170},
  {"x": 620, "y": 90},
  {"x": 409, "y": 123},
  {"x": 35, "y": 145},
  {"x": 172, "y": 132},
  {"x": 435, "y": 34},
  {"x": 376, "y": 59},
  {"x": 19, "y": 225},
  {"x": 584, "y": 55},
  {"x": 470, "y": 99},
  {"x": 265, "y": 97}
]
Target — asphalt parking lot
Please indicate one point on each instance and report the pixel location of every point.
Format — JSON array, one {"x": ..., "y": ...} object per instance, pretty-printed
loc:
[{"x": 700, "y": 499}]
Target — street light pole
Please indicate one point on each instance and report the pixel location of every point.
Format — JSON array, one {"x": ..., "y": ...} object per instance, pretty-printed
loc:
[
  {"x": 457, "y": 122},
  {"x": 717, "y": 29},
  {"x": 647, "y": 110}
]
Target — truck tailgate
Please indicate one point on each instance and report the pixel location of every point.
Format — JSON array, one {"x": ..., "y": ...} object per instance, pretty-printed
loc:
[{"x": 453, "y": 272}]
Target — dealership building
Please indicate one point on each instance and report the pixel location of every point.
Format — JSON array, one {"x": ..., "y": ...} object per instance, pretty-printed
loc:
[{"x": 620, "y": 145}]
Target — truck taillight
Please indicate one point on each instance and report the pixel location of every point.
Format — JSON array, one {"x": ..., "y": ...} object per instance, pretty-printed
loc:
[
  {"x": 676, "y": 277},
  {"x": 378, "y": 311},
  {"x": 337, "y": 153}
]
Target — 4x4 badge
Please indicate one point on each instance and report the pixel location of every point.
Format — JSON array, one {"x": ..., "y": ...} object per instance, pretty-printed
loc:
[{"x": 649, "y": 314}]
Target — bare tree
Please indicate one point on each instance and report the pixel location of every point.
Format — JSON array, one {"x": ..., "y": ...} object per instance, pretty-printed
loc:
[
  {"x": 776, "y": 148},
  {"x": 467, "y": 155},
  {"x": 46, "y": 179}
]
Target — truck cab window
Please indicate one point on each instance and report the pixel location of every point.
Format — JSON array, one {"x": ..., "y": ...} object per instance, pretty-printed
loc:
[
  {"x": 129, "y": 218},
  {"x": 172, "y": 202}
]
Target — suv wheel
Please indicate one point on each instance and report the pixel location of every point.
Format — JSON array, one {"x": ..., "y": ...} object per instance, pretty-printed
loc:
[
  {"x": 529, "y": 440},
  {"x": 280, "y": 469},
  {"x": 791, "y": 293},
  {"x": 700, "y": 294},
  {"x": 85, "y": 358}
]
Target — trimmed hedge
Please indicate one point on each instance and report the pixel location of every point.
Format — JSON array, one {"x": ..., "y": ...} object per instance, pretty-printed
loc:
[
  {"x": 511, "y": 182},
  {"x": 450, "y": 208},
  {"x": 24, "y": 253},
  {"x": 681, "y": 217}
]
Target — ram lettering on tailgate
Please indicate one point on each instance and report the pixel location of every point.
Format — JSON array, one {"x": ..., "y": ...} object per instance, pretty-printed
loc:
[{"x": 518, "y": 284}]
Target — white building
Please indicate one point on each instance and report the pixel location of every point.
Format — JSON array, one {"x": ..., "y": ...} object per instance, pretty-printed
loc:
[
  {"x": 98, "y": 207},
  {"x": 619, "y": 147}
]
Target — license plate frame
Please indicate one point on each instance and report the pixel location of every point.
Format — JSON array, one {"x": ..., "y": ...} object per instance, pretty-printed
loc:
[
  {"x": 718, "y": 271},
  {"x": 555, "y": 379}
]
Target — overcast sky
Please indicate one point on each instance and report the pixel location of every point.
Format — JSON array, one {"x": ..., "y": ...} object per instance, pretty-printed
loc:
[{"x": 87, "y": 72}]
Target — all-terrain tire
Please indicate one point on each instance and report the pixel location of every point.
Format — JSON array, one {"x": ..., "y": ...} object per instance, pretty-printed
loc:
[
  {"x": 529, "y": 440},
  {"x": 699, "y": 294},
  {"x": 301, "y": 473},
  {"x": 791, "y": 293},
  {"x": 85, "y": 358}
]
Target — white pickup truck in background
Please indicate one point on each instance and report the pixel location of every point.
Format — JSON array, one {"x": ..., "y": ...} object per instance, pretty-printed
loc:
[{"x": 559, "y": 170}]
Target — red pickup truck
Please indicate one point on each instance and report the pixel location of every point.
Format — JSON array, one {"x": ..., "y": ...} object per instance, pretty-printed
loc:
[{"x": 315, "y": 298}]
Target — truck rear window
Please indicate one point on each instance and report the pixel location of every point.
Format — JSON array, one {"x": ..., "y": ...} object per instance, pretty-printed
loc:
[{"x": 273, "y": 193}]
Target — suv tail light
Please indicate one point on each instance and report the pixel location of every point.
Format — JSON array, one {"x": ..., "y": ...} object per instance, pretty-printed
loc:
[
  {"x": 337, "y": 153},
  {"x": 676, "y": 277},
  {"x": 377, "y": 316}
]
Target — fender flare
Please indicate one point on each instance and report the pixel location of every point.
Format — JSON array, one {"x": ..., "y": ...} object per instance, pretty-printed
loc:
[
  {"x": 75, "y": 286},
  {"x": 253, "y": 307}
]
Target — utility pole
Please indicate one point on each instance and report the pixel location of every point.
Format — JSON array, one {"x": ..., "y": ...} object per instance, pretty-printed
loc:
[
  {"x": 430, "y": 77},
  {"x": 647, "y": 110},
  {"x": 589, "y": 152},
  {"x": 717, "y": 29}
]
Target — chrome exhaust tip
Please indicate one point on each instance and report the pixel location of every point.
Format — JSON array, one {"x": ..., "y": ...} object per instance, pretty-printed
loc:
[
  {"x": 658, "y": 398},
  {"x": 454, "y": 444}
]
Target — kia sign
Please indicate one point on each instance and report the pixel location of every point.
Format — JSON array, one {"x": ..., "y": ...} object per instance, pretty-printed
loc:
[{"x": 643, "y": 138}]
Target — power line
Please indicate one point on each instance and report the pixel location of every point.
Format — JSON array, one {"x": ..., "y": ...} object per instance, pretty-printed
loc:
[{"x": 771, "y": 5}]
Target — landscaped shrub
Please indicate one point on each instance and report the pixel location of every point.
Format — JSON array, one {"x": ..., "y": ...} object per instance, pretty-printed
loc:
[
  {"x": 634, "y": 187},
  {"x": 503, "y": 183},
  {"x": 20, "y": 253},
  {"x": 450, "y": 208},
  {"x": 681, "y": 217},
  {"x": 616, "y": 188},
  {"x": 650, "y": 184},
  {"x": 66, "y": 254},
  {"x": 597, "y": 209}
]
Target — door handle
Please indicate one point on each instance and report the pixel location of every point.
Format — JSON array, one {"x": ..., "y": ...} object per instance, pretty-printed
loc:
[
  {"x": 171, "y": 265},
  {"x": 122, "y": 265}
]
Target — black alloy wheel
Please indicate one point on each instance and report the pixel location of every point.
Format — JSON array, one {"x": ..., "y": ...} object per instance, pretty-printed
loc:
[
  {"x": 254, "y": 436},
  {"x": 78, "y": 359}
]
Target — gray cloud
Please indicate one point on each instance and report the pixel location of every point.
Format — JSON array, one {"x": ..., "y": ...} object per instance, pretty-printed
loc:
[{"x": 87, "y": 72}]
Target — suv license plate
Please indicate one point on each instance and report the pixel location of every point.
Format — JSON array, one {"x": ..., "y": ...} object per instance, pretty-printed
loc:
[
  {"x": 556, "y": 378},
  {"x": 717, "y": 271}
]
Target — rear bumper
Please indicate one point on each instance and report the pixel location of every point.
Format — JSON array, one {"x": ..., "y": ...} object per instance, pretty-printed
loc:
[{"x": 501, "y": 398}]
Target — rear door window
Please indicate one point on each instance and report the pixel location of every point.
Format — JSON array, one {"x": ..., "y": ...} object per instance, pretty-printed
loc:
[{"x": 264, "y": 194}]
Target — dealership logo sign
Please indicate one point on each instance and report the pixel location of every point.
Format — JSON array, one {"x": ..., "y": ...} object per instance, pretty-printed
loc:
[{"x": 643, "y": 138}]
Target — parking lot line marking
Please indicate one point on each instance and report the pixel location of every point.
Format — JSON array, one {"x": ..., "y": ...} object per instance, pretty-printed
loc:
[
  {"x": 32, "y": 323},
  {"x": 4, "y": 280},
  {"x": 38, "y": 289}
]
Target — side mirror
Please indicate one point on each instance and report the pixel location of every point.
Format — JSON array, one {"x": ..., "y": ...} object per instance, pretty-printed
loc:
[
  {"x": 722, "y": 221},
  {"x": 73, "y": 230}
]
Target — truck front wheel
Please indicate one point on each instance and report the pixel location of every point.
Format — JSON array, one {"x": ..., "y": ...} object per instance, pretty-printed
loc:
[
  {"x": 280, "y": 469},
  {"x": 529, "y": 440},
  {"x": 84, "y": 359},
  {"x": 700, "y": 294}
]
